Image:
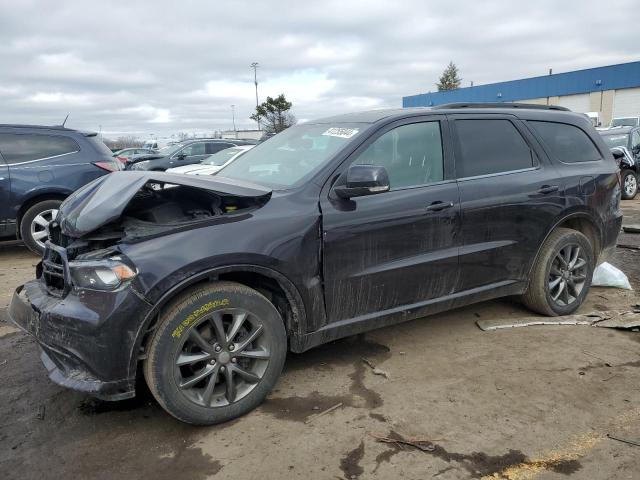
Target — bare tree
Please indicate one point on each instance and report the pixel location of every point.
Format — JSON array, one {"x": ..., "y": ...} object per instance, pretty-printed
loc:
[{"x": 126, "y": 141}]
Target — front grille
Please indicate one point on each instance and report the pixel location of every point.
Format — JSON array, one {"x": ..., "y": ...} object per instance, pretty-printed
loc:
[{"x": 55, "y": 270}]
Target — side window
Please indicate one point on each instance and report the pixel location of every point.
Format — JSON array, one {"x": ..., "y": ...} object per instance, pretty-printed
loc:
[
  {"x": 566, "y": 143},
  {"x": 217, "y": 146},
  {"x": 17, "y": 148},
  {"x": 194, "y": 149},
  {"x": 490, "y": 146},
  {"x": 412, "y": 154}
]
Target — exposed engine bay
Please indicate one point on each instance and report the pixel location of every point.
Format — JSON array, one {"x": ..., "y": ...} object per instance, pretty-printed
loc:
[{"x": 156, "y": 208}]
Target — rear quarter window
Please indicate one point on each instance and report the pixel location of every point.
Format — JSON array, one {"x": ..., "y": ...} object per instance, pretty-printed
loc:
[
  {"x": 26, "y": 147},
  {"x": 566, "y": 143}
]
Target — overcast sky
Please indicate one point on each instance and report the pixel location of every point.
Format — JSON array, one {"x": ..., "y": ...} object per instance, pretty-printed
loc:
[{"x": 164, "y": 67}]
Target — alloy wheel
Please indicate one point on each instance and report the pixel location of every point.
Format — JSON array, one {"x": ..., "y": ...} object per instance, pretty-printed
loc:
[
  {"x": 567, "y": 275},
  {"x": 40, "y": 226},
  {"x": 630, "y": 184},
  {"x": 223, "y": 358}
]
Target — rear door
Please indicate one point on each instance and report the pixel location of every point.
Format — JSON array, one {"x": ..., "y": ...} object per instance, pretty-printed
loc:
[
  {"x": 387, "y": 252},
  {"x": 509, "y": 196}
]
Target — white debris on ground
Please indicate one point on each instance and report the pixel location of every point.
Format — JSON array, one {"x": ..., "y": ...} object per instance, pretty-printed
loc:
[{"x": 606, "y": 275}]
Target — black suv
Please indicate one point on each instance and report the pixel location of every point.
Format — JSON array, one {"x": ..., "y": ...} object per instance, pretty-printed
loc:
[
  {"x": 627, "y": 140},
  {"x": 39, "y": 167},
  {"x": 184, "y": 153},
  {"x": 328, "y": 229}
]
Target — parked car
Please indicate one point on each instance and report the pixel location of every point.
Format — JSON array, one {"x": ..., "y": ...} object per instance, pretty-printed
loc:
[
  {"x": 214, "y": 163},
  {"x": 331, "y": 228},
  {"x": 126, "y": 154},
  {"x": 625, "y": 122},
  {"x": 185, "y": 153},
  {"x": 39, "y": 167},
  {"x": 629, "y": 139}
]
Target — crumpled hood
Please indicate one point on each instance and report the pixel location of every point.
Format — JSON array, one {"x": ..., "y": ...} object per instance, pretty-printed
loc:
[{"x": 103, "y": 200}]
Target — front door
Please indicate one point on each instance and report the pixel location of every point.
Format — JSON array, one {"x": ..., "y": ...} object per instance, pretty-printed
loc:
[{"x": 390, "y": 251}]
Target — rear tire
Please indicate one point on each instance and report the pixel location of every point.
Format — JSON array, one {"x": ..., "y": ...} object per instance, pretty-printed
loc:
[
  {"x": 217, "y": 352},
  {"x": 34, "y": 224},
  {"x": 629, "y": 184},
  {"x": 561, "y": 276}
]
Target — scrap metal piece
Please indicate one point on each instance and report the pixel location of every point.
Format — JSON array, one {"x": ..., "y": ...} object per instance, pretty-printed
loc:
[{"x": 607, "y": 319}]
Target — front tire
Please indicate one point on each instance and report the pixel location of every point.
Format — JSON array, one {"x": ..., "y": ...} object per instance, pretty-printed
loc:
[
  {"x": 217, "y": 352},
  {"x": 561, "y": 276},
  {"x": 35, "y": 222},
  {"x": 629, "y": 184}
]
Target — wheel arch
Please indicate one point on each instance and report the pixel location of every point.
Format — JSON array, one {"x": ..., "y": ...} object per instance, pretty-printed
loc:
[
  {"x": 581, "y": 222},
  {"x": 274, "y": 285},
  {"x": 37, "y": 197}
]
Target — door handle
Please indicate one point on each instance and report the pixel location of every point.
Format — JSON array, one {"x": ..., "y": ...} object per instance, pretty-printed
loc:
[
  {"x": 548, "y": 189},
  {"x": 437, "y": 206}
]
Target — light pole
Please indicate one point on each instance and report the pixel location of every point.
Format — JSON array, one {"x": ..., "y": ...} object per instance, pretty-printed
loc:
[
  {"x": 233, "y": 116},
  {"x": 254, "y": 65}
]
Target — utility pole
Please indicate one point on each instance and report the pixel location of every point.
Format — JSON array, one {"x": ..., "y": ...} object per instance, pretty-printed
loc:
[
  {"x": 233, "y": 115},
  {"x": 254, "y": 65}
]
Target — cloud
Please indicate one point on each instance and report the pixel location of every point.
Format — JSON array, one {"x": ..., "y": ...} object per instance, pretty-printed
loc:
[{"x": 174, "y": 67}]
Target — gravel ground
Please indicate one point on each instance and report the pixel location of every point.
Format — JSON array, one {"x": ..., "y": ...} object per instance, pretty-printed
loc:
[{"x": 523, "y": 403}]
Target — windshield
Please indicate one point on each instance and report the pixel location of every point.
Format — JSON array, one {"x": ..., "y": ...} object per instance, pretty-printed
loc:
[
  {"x": 288, "y": 157},
  {"x": 624, "y": 122},
  {"x": 615, "y": 140},
  {"x": 222, "y": 157}
]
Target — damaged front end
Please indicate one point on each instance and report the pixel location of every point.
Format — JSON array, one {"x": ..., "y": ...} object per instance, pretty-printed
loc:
[{"x": 86, "y": 306}]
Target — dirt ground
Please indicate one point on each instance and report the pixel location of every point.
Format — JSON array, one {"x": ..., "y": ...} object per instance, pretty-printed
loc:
[{"x": 525, "y": 403}]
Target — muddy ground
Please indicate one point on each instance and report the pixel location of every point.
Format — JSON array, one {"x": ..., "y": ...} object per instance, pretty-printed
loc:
[{"x": 524, "y": 403}]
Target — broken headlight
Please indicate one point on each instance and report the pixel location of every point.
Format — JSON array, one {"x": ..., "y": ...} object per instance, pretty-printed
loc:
[{"x": 100, "y": 275}]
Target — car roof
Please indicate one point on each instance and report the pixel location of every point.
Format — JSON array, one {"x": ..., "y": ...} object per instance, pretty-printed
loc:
[
  {"x": 373, "y": 116},
  {"x": 46, "y": 127}
]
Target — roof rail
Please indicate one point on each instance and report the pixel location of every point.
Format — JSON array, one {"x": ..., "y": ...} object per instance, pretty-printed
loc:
[{"x": 448, "y": 106}]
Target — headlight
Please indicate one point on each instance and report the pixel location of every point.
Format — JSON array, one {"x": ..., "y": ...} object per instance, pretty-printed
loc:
[
  {"x": 100, "y": 275},
  {"x": 140, "y": 165}
]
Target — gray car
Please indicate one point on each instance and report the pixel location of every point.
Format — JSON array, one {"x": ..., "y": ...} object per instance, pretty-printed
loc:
[{"x": 185, "y": 153}]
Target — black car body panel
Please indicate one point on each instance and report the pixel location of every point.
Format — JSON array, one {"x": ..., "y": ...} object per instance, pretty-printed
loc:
[{"x": 344, "y": 266}]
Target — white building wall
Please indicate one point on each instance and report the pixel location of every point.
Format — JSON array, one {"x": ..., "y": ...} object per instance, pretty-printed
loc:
[{"x": 626, "y": 103}]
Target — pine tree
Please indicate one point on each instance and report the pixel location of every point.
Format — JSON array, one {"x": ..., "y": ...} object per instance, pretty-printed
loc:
[
  {"x": 449, "y": 79},
  {"x": 274, "y": 114}
]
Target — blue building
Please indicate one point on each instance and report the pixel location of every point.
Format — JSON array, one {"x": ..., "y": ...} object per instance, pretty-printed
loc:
[{"x": 612, "y": 91}]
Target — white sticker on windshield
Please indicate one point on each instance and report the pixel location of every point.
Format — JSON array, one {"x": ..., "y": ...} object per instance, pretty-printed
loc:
[{"x": 341, "y": 132}]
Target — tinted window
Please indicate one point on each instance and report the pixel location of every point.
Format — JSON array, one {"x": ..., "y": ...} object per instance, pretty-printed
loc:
[
  {"x": 490, "y": 146},
  {"x": 194, "y": 149},
  {"x": 214, "y": 147},
  {"x": 18, "y": 148},
  {"x": 98, "y": 144},
  {"x": 412, "y": 154},
  {"x": 566, "y": 143},
  {"x": 635, "y": 140}
]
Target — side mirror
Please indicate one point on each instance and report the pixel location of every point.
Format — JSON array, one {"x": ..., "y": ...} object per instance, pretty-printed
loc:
[
  {"x": 363, "y": 180},
  {"x": 181, "y": 156},
  {"x": 618, "y": 153}
]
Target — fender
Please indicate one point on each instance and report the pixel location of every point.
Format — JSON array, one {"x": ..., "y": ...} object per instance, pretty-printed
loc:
[
  {"x": 297, "y": 327},
  {"x": 580, "y": 214}
]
